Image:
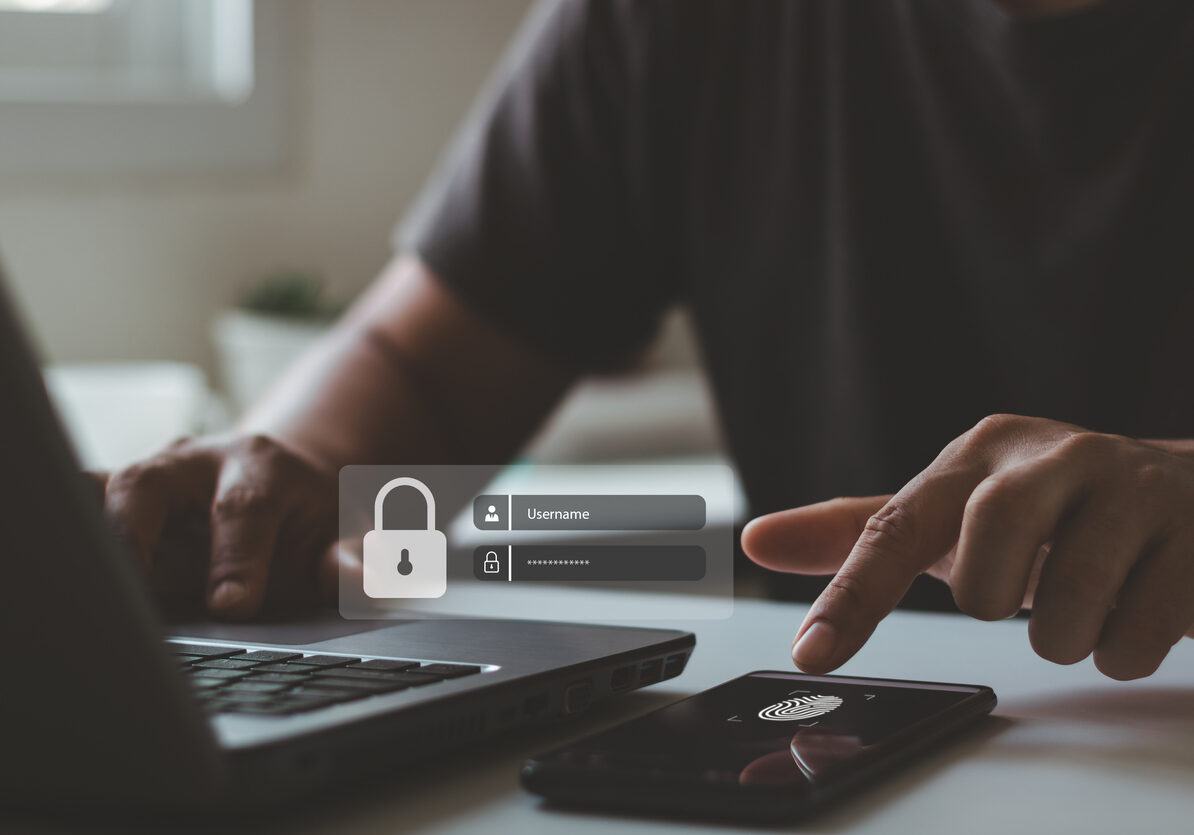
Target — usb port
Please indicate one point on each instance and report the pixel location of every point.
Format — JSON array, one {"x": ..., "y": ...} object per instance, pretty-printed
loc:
[
  {"x": 622, "y": 678},
  {"x": 674, "y": 665},
  {"x": 650, "y": 671}
]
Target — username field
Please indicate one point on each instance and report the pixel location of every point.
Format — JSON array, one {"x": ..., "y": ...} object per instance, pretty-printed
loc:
[{"x": 605, "y": 512}]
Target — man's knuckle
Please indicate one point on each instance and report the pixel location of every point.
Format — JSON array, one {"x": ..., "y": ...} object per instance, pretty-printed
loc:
[
  {"x": 847, "y": 590},
  {"x": 232, "y": 561},
  {"x": 1087, "y": 445},
  {"x": 146, "y": 475},
  {"x": 978, "y": 602},
  {"x": 243, "y": 499},
  {"x": 992, "y": 431},
  {"x": 995, "y": 501},
  {"x": 258, "y": 445},
  {"x": 893, "y": 526},
  {"x": 1093, "y": 588},
  {"x": 977, "y": 443},
  {"x": 1153, "y": 478},
  {"x": 996, "y": 424}
]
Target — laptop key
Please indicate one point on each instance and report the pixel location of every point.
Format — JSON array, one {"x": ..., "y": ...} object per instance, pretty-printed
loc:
[
  {"x": 362, "y": 675},
  {"x": 324, "y": 661},
  {"x": 249, "y": 686},
  {"x": 303, "y": 705},
  {"x": 448, "y": 670},
  {"x": 224, "y": 664},
  {"x": 227, "y": 695},
  {"x": 319, "y": 691},
  {"x": 353, "y": 684},
  {"x": 384, "y": 665},
  {"x": 262, "y": 708},
  {"x": 308, "y": 694},
  {"x": 276, "y": 678},
  {"x": 239, "y": 706},
  {"x": 415, "y": 678},
  {"x": 269, "y": 655},
  {"x": 216, "y": 705},
  {"x": 226, "y": 675},
  {"x": 202, "y": 650},
  {"x": 286, "y": 667}
]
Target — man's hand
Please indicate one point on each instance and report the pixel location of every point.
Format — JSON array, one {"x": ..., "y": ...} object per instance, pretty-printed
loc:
[
  {"x": 397, "y": 379},
  {"x": 1093, "y": 532},
  {"x": 270, "y": 514}
]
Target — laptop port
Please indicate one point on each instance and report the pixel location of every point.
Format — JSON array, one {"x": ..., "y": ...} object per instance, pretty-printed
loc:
[
  {"x": 622, "y": 678},
  {"x": 650, "y": 671},
  {"x": 536, "y": 704},
  {"x": 674, "y": 665},
  {"x": 578, "y": 695}
]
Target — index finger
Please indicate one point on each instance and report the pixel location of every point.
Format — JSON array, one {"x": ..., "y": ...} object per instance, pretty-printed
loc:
[
  {"x": 247, "y": 513},
  {"x": 913, "y": 530},
  {"x": 813, "y": 539}
]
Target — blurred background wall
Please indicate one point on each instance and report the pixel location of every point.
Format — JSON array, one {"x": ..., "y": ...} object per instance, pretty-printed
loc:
[
  {"x": 114, "y": 264},
  {"x": 134, "y": 267}
]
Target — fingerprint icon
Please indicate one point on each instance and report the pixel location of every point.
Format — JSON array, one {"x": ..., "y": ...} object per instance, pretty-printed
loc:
[{"x": 800, "y": 707}]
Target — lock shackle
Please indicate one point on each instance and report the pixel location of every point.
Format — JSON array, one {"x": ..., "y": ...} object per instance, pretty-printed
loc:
[{"x": 405, "y": 481}]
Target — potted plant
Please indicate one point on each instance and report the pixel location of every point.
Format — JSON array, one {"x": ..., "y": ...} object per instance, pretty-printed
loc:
[{"x": 278, "y": 318}]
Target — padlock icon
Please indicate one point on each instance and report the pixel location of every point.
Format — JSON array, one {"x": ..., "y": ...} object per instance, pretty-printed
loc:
[
  {"x": 492, "y": 565},
  {"x": 405, "y": 563}
]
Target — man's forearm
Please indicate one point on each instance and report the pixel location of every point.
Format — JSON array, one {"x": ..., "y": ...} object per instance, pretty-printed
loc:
[{"x": 410, "y": 375}]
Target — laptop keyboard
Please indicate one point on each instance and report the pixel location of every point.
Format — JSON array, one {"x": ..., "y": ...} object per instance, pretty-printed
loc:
[{"x": 280, "y": 682}]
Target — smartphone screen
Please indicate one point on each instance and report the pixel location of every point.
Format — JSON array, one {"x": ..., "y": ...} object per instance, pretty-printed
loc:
[{"x": 768, "y": 744}]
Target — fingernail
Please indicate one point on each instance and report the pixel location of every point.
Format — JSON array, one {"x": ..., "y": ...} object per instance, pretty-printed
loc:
[
  {"x": 228, "y": 594},
  {"x": 815, "y": 648}
]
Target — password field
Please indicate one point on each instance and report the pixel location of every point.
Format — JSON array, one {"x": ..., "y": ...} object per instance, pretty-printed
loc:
[{"x": 589, "y": 562}]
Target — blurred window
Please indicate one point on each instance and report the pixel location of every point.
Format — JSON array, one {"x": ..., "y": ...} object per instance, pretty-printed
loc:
[
  {"x": 140, "y": 86},
  {"x": 125, "y": 49}
]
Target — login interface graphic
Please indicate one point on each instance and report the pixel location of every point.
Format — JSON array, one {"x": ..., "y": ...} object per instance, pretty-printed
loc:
[
  {"x": 404, "y": 563},
  {"x": 481, "y": 541}
]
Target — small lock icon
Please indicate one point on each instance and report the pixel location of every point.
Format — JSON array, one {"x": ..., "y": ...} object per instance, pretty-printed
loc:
[
  {"x": 492, "y": 565},
  {"x": 405, "y": 563}
]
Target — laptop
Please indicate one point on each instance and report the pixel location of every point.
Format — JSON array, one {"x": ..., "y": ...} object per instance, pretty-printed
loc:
[{"x": 101, "y": 704}]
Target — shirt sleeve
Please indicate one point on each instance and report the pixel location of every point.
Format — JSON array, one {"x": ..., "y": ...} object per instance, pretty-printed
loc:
[{"x": 536, "y": 216}]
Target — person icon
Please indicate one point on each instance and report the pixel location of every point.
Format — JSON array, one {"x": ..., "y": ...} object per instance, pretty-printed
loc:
[{"x": 492, "y": 516}]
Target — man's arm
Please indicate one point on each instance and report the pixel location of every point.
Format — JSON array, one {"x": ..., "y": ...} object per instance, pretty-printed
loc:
[
  {"x": 410, "y": 375},
  {"x": 402, "y": 377}
]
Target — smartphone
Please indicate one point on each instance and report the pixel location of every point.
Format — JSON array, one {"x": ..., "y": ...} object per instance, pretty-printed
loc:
[{"x": 764, "y": 747}]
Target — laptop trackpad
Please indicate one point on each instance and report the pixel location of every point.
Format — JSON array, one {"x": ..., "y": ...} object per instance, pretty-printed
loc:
[{"x": 308, "y": 630}]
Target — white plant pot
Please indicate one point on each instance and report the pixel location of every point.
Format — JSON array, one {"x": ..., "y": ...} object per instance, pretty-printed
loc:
[{"x": 255, "y": 349}]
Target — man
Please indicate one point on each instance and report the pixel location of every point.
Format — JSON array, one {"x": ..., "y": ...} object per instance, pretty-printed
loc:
[{"x": 889, "y": 219}]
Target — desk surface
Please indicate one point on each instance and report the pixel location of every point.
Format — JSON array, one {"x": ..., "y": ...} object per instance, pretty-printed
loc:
[{"x": 1066, "y": 751}]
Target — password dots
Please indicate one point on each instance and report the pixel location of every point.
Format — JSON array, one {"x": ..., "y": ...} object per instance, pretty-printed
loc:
[{"x": 557, "y": 562}]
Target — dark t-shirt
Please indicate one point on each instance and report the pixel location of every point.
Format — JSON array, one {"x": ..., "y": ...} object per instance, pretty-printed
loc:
[{"x": 889, "y": 218}]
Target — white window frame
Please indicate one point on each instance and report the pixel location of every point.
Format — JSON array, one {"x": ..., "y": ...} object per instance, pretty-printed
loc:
[{"x": 218, "y": 117}]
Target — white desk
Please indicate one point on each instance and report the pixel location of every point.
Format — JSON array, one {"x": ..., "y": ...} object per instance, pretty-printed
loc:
[{"x": 1067, "y": 750}]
